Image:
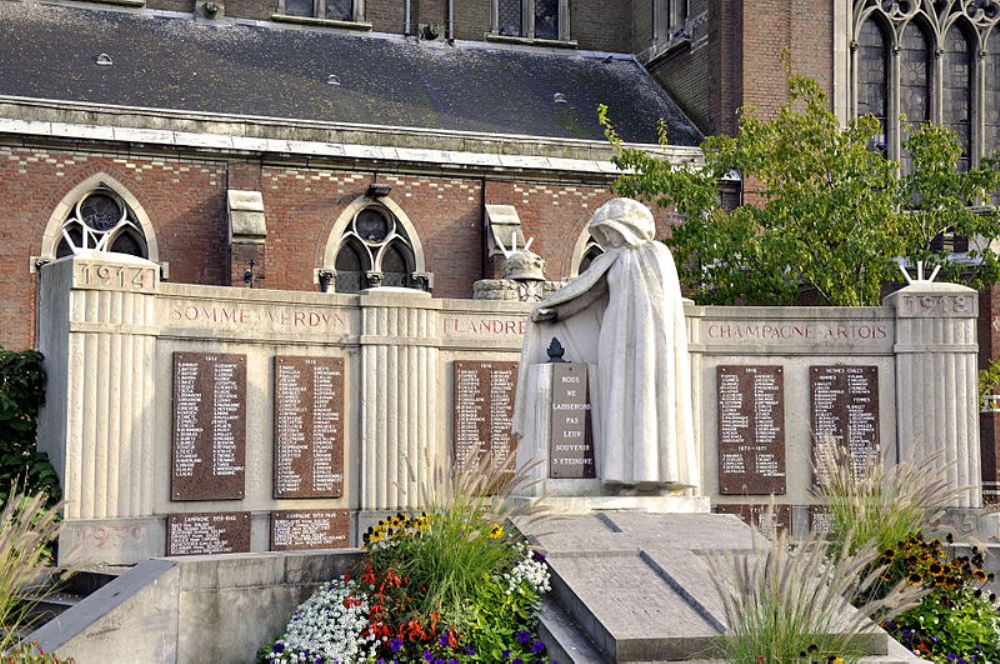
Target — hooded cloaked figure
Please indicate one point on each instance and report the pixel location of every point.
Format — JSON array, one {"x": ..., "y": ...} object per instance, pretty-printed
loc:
[{"x": 626, "y": 315}]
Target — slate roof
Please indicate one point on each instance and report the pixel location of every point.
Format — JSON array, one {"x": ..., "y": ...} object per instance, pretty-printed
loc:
[{"x": 171, "y": 62}]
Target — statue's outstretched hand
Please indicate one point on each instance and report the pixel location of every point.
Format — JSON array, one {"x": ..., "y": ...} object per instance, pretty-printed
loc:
[{"x": 542, "y": 314}]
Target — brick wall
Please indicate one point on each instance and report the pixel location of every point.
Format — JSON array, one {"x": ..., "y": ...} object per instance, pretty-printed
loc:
[
  {"x": 185, "y": 202},
  {"x": 601, "y": 25}
]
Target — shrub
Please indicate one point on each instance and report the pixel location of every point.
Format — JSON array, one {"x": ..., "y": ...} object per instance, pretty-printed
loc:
[
  {"x": 26, "y": 528},
  {"x": 879, "y": 507},
  {"x": 789, "y": 602},
  {"x": 22, "y": 393}
]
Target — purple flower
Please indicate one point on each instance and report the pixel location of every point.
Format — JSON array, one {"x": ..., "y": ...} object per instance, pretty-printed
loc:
[
  {"x": 518, "y": 660},
  {"x": 506, "y": 654},
  {"x": 444, "y": 640},
  {"x": 538, "y": 556},
  {"x": 438, "y": 661},
  {"x": 537, "y": 647},
  {"x": 279, "y": 647},
  {"x": 453, "y": 661},
  {"x": 396, "y": 644},
  {"x": 428, "y": 657},
  {"x": 523, "y": 636},
  {"x": 469, "y": 650}
]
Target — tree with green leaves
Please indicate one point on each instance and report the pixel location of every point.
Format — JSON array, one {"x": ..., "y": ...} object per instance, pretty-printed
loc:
[{"x": 829, "y": 216}]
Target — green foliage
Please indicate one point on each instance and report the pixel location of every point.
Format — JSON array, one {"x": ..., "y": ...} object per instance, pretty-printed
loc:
[
  {"x": 826, "y": 214},
  {"x": 22, "y": 393},
  {"x": 989, "y": 382},
  {"x": 32, "y": 653},
  {"x": 956, "y": 619}
]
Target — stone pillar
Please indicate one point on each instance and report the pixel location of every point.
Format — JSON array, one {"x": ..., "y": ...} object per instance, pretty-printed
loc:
[
  {"x": 936, "y": 381},
  {"x": 97, "y": 331},
  {"x": 401, "y": 445}
]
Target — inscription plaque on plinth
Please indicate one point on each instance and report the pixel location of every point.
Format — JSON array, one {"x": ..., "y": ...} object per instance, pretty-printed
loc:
[
  {"x": 767, "y": 519},
  {"x": 845, "y": 414},
  {"x": 572, "y": 453},
  {"x": 302, "y": 530},
  {"x": 751, "y": 416},
  {"x": 484, "y": 405},
  {"x": 208, "y": 533},
  {"x": 209, "y": 426},
  {"x": 308, "y": 427}
]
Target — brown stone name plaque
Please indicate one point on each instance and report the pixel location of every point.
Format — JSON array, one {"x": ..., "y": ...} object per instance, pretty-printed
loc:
[
  {"x": 208, "y": 448},
  {"x": 751, "y": 402},
  {"x": 484, "y": 405},
  {"x": 845, "y": 414},
  {"x": 208, "y": 533},
  {"x": 572, "y": 453},
  {"x": 301, "y": 530},
  {"x": 769, "y": 520},
  {"x": 308, "y": 427}
]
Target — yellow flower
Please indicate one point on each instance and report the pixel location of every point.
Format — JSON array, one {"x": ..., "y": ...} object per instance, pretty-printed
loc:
[{"x": 496, "y": 531}]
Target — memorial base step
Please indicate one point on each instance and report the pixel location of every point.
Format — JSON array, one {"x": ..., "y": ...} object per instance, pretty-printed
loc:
[{"x": 583, "y": 505}]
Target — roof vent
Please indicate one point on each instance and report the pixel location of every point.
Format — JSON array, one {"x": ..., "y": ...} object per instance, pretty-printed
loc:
[
  {"x": 333, "y": 79},
  {"x": 104, "y": 60},
  {"x": 559, "y": 98}
]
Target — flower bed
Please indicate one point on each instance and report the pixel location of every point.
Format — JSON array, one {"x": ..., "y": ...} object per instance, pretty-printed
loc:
[{"x": 440, "y": 588}]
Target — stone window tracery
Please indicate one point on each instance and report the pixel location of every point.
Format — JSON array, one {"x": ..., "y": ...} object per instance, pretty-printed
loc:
[
  {"x": 936, "y": 55},
  {"x": 375, "y": 250},
  {"x": 102, "y": 221},
  {"x": 591, "y": 251}
]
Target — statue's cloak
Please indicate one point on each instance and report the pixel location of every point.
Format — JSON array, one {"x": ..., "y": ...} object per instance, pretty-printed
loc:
[{"x": 626, "y": 315}]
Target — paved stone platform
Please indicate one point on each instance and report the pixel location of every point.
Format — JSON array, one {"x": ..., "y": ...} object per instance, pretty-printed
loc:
[{"x": 635, "y": 587}]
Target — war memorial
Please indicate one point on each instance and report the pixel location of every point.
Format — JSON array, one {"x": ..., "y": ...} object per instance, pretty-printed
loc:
[{"x": 295, "y": 266}]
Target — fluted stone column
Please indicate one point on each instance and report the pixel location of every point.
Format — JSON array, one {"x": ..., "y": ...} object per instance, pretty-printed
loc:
[
  {"x": 400, "y": 441},
  {"x": 937, "y": 406},
  {"x": 97, "y": 332}
]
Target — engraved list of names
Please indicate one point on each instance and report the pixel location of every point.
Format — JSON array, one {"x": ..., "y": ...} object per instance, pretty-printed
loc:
[
  {"x": 308, "y": 427},
  {"x": 484, "y": 405},
  {"x": 209, "y": 426},
  {"x": 751, "y": 430},
  {"x": 845, "y": 414}
]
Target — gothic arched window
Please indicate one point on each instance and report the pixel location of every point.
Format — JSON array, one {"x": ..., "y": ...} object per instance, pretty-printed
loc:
[
  {"x": 992, "y": 137},
  {"x": 591, "y": 251},
  {"x": 873, "y": 75},
  {"x": 374, "y": 251},
  {"x": 101, "y": 221},
  {"x": 914, "y": 80},
  {"x": 957, "y": 87}
]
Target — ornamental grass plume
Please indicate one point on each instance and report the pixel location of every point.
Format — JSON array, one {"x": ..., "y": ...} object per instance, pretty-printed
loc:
[
  {"x": 468, "y": 512},
  {"x": 27, "y": 526},
  {"x": 791, "y": 601},
  {"x": 881, "y": 506}
]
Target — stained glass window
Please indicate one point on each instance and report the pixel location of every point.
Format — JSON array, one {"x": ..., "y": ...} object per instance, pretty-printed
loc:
[
  {"x": 300, "y": 8},
  {"x": 914, "y": 83},
  {"x": 957, "y": 91},
  {"x": 340, "y": 10},
  {"x": 873, "y": 73},
  {"x": 510, "y": 18},
  {"x": 993, "y": 97},
  {"x": 374, "y": 242},
  {"x": 547, "y": 19},
  {"x": 101, "y": 221}
]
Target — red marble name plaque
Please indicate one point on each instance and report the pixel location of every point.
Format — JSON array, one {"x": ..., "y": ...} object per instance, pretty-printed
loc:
[
  {"x": 751, "y": 419},
  {"x": 484, "y": 406},
  {"x": 308, "y": 427},
  {"x": 767, "y": 519},
  {"x": 303, "y": 530},
  {"x": 208, "y": 449},
  {"x": 208, "y": 533}
]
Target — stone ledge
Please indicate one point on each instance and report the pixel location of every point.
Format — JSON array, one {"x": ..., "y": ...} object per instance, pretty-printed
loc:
[
  {"x": 365, "y": 26},
  {"x": 530, "y": 41}
]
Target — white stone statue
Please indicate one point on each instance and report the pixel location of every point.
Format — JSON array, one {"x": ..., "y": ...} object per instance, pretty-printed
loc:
[{"x": 625, "y": 314}]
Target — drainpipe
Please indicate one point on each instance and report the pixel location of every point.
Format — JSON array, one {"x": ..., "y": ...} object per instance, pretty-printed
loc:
[
  {"x": 451, "y": 21},
  {"x": 406, "y": 18}
]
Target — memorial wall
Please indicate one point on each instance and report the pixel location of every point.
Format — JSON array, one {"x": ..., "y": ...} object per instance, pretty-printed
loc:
[{"x": 189, "y": 419}]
